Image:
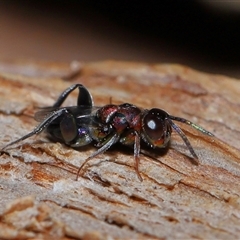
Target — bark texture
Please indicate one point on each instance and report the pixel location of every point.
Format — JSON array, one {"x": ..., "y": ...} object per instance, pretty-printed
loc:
[{"x": 39, "y": 197}]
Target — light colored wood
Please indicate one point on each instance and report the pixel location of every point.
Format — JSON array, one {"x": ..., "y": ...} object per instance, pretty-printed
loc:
[{"x": 39, "y": 196}]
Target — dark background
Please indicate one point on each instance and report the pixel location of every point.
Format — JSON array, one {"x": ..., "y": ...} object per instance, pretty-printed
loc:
[{"x": 200, "y": 34}]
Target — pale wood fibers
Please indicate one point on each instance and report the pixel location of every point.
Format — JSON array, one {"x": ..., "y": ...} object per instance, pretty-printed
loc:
[{"x": 39, "y": 196}]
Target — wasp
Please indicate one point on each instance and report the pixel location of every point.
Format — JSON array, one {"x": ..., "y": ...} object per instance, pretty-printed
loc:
[{"x": 77, "y": 126}]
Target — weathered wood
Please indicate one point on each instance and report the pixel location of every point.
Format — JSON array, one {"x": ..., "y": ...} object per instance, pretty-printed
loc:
[{"x": 39, "y": 196}]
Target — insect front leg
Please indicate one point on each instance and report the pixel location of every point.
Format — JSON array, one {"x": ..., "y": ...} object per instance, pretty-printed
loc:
[{"x": 185, "y": 139}]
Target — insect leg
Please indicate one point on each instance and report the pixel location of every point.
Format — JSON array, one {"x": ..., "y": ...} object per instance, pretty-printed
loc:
[
  {"x": 199, "y": 128},
  {"x": 84, "y": 97},
  {"x": 43, "y": 125},
  {"x": 184, "y": 138},
  {"x": 104, "y": 148},
  {"x": 132, "y": 138},
  {"x": 136, "y": 155}
]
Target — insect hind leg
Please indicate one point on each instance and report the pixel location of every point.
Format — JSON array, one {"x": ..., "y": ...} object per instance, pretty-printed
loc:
[
  {"x": 42, "y": 126},
  {"x": 84, "y": 97}
]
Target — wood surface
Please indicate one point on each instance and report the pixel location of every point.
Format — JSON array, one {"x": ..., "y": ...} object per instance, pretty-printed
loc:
[{"x": 40, "y": 198}]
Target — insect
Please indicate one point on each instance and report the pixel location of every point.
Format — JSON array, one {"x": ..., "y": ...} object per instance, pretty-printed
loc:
[{"x": 128, "y": 124}]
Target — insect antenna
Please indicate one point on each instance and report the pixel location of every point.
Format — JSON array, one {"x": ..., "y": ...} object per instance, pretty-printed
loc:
[
  {"x": 184, "y": 138},
  {"x": 197, "y": 127}
]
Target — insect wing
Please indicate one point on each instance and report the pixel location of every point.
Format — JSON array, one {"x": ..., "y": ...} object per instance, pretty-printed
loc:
[
  {"x": 77, "y": 111},
  {"x": 42, "y": 114}
]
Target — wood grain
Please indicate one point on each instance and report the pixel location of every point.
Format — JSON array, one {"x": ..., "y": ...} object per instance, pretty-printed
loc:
[{"x": 39, "y": 197}]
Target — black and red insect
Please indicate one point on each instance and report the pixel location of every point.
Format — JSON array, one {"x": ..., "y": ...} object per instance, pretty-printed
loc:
[{"x": 128, "y": 124}]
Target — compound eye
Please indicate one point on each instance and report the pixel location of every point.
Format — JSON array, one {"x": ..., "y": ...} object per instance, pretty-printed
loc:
[
  {"x": 155, "y": 127},
  {"x": 68, "y": 128}
]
